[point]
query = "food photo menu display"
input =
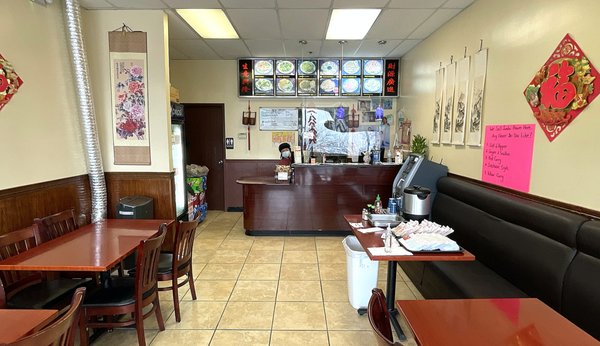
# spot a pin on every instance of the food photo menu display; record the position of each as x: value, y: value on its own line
x: 318, y: 77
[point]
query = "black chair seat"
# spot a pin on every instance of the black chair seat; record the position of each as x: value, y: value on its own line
x: 45, y: 294
x: 119, y: 293
x: 165, y: 264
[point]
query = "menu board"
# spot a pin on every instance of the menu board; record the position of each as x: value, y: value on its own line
x: 318, y: 77
x: 274, y: 119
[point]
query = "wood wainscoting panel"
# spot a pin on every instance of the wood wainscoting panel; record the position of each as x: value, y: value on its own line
x: 20, y: 205
x: 157, y: 185
x: 235, y: 169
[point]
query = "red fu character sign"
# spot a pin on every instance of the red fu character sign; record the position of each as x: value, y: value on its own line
x: 562, y: 88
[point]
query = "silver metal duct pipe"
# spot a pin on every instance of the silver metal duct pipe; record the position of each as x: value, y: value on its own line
x: 86, y: 110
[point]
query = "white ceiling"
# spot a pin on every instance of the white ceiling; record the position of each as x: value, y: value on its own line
x: 272, y: 28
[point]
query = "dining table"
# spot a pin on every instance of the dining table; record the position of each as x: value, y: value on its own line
x: 96, y: 247
x: 370, y: 240
x: 497, y: 321
x: 17, y: 323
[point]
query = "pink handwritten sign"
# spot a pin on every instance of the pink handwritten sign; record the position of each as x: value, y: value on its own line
x: 507, y: 155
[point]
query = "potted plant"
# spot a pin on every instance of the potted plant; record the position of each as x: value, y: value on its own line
x: 419, y: 145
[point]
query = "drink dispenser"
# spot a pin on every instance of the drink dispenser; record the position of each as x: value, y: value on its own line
x: 417, y: 204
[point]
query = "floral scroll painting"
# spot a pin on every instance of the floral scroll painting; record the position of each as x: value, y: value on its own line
x: 128, y: 74
x: 439, y: 105
x: 460, y: 104
x: 477, y: 91
x: 562, y: 88
x: 448, y: 104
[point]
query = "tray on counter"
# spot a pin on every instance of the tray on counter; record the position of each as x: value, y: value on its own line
x: 382, y: 220
x: 460, y: 249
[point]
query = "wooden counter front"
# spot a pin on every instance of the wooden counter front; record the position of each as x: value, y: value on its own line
x: 317, y: 199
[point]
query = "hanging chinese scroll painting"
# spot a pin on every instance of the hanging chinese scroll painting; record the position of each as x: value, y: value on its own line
x: 439, y: 105
x: 129, y: 72
x: 460, y: 104
x: 562, y: 88
x: 448, y: 103
x: 476, y: 97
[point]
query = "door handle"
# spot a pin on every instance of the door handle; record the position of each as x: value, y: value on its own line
x: 220, y: 162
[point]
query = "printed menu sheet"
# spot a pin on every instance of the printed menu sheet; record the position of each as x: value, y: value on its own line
x: 507, y: 155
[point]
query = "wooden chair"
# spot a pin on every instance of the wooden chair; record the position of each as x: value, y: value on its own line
x: 59, y: 332
x: 56, y: 225
x: 127, y: 295
x: 379, y: 317
x: 174, y: 265
x: 30, y: 290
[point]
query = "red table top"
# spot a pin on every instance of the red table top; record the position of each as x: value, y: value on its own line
x: 507, y: 321
x: 15, y: 324
x: 95, y: 247
x: 368, y: 240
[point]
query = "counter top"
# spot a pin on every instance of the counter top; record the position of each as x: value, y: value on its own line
x: 264, y: 180
x: 350, y: 164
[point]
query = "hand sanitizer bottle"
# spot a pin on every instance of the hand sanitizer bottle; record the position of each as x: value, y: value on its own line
x: 387, y: 241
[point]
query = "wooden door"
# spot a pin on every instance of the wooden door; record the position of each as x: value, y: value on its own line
x: 205, y: 143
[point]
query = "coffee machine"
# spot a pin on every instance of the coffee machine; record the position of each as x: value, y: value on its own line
x: 417, y: 170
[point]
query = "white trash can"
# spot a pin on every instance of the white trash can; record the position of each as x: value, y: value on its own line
x: 362, y: 273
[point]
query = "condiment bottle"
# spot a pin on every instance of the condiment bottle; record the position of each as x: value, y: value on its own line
x: 387, y: 240
x: 378, y: 205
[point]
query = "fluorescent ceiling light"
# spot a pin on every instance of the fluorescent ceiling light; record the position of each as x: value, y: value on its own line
x: 351, y: 24
x: 209, y: 23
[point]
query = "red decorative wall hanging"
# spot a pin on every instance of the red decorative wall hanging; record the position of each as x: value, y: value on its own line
x: 9, y: 82
x: 562, y: 88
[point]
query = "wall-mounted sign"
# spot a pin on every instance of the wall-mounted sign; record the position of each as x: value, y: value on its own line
x: 229, y: 143
x: 9, y: 82
x: 318, y: 77
x: 278, y: 119
x: 562, y: 88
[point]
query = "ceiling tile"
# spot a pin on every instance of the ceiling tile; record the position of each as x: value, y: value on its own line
x: 433, y: 23
x: 370, y: 48
x: 266, y: 48
x: 192, y: 3
x: 397, y: 24
x: 304, y: 3
x: 194, y: 49
x: 176, y: 54
x: 178, y: 29
x: 255, y: 24
x: 359, y: 3
x: 137, y: 4
x: 294, y: 48
x: 303, y: 24
x: 404, y: 48
x: 248, y: 3
x: 415, y: 3
x: 458, y: 3
x: 331, y: 48
x: 229, y: 49
x: 95, y: 4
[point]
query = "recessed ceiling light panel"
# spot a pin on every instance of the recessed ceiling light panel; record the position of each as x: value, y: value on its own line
x: 351, y: 24
x: 209, y: 23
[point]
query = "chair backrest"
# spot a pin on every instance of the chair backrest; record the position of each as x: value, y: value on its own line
x: 59, y: 332
x: 12, y: 244
x: 56, y: 225
x: 146, y: 263
x: 184, y: 242
x: 379, y: 317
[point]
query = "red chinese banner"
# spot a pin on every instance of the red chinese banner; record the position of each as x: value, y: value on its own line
x: 245, y: 70
x: 562, y: 88
x: 391, y: 77
x: 9, y: 82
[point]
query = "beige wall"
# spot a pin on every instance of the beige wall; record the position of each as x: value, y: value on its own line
x: 215, y: 81
x: 520, y: 37
x: 39, y: 127
x: 96, y: 25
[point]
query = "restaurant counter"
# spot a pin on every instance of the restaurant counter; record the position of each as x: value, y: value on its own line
x: 316, y: 199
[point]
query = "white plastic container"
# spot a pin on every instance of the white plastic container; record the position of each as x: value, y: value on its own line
x: 362, y: 273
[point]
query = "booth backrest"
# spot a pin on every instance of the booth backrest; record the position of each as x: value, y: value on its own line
x: 529, y: 244
x: 581, y: 295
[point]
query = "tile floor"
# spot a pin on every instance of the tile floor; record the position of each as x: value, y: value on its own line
x: 263, y: 291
